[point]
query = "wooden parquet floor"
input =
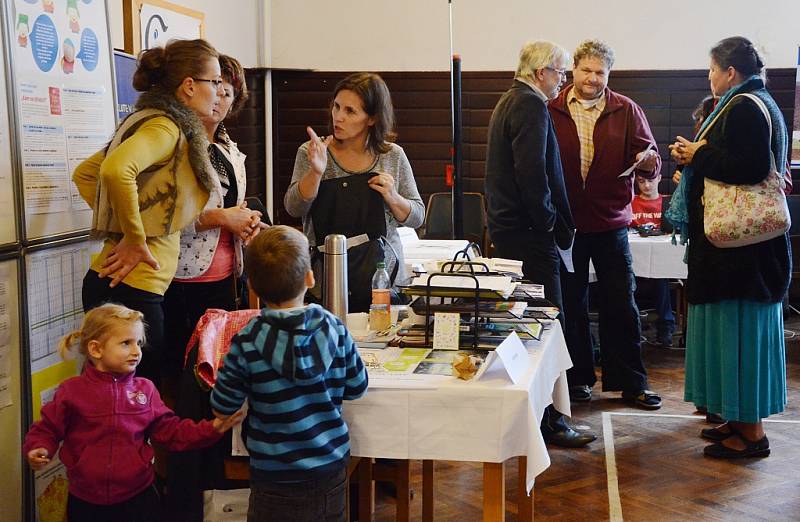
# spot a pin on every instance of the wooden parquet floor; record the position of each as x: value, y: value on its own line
x: 662, y: 474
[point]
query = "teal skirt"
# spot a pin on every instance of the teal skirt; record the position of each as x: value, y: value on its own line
x: 736, y: 359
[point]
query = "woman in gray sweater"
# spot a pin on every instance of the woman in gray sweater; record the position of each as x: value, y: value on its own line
x: 362, y: 123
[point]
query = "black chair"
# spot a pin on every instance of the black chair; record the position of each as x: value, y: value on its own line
x: 439, y: 218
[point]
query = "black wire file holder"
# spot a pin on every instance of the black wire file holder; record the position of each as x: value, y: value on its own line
x: 453, y: 273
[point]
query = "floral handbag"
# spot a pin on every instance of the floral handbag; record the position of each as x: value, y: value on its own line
x: 740, y: 215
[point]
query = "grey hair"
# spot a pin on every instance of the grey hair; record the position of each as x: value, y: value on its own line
x: 594, y: 49
x: 538, y: 55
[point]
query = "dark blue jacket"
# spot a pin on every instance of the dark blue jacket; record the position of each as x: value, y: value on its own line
x: 524, y: 181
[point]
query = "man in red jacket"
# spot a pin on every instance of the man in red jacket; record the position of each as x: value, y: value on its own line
x: 600, y: 135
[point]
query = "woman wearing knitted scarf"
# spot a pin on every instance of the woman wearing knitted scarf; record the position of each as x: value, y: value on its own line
x: 151, y: 181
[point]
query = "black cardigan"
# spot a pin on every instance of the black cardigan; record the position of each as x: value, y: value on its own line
x: 524, y: 180
x: 737, y: 152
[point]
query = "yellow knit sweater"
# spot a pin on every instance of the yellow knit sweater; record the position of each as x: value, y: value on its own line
x: 153, y: 143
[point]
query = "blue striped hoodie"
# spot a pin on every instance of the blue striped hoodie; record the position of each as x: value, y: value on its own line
x: 295, y: 366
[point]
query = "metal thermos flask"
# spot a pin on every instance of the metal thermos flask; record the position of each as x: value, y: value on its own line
x: 334, y: 286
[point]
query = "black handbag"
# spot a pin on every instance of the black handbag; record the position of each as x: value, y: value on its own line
x: 349, y: 207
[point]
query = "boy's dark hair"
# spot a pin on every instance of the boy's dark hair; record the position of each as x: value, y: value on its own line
x: 276, y: 262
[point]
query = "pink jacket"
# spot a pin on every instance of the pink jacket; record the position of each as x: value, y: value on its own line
x: 105, y: 421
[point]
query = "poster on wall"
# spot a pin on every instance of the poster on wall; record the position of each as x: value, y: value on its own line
x: 11, y: 407
x: 796, y: 127
x: 151, y: 23
x: 54, y: 309
x: 124, y: 67
x: 64, y: 95
x: 8, y: 216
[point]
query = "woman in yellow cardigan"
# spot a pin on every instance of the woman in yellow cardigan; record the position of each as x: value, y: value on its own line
x: 152, y: 180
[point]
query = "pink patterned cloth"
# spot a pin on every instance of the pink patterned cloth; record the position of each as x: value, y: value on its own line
x: 212, y: 336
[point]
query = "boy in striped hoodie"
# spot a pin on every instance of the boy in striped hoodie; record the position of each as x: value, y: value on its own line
x: 294, y: 363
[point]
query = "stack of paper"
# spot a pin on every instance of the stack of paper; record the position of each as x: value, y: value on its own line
x: 501, y: 285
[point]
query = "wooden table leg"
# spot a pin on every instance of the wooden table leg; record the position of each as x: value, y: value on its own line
x: 494, y: 492
x: 427, y: 491
x: 403, y: 485
x: 366, y: 490
x: 524, y: 502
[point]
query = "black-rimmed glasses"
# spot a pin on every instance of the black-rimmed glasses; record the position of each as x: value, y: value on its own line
x: 561, y: 72
x: 216, y: 83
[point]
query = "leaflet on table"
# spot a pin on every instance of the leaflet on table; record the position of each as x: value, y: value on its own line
x: 440, y: 362
x: 629, y: 171
x: 392, y: 361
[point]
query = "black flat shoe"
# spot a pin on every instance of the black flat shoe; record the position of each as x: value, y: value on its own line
x: 716, y: 434
x: 759, y: 448
x: 714, y: 418
x: 645, y: 399
x: 580, y: 393
x: 568, y: 438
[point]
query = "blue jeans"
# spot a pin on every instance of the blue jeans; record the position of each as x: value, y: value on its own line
x: 620, y: 329
x: 655, y: 293
x: 321, y: 499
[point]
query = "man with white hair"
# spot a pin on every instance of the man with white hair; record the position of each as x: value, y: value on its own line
x: 527, y: 202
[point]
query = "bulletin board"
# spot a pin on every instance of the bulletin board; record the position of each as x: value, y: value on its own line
x: 54, y: 308
x: 64, y: 105
x: 8, y: 215
x: 10, y: 393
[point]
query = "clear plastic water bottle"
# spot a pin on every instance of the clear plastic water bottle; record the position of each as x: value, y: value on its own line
x: 381, y: 286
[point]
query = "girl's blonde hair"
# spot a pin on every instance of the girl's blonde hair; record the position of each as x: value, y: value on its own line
x: 96, y: 326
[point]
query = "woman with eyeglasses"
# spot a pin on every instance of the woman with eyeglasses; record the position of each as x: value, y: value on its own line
x: 151, y: 181
x: 210, y: 258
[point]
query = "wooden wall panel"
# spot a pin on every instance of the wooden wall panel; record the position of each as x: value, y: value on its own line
x: 422, y: 106
x: 247, y: 129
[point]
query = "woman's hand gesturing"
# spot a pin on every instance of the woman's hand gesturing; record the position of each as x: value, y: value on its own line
x: 318, y: 151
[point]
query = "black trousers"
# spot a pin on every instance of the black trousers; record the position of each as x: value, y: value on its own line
x: 190, y: 472
x: 620, y: 327
x: 184, y: 304
x: 96, y: 292
x: 540, y: 264
x: 144, y: 507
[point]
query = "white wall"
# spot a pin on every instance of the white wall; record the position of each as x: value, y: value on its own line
x: 232, y: 26
x: 397, y: 35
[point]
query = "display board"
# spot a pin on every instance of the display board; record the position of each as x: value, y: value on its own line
x: 10, y: 393
x: 795, y: 150
x: 8, y: 215
x: 63, y: 90
x: 54, y: 308
x: 124, y: 67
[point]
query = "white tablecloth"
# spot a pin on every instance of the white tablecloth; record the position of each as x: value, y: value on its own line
x: 489, y: 420
x: 654, y: 257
